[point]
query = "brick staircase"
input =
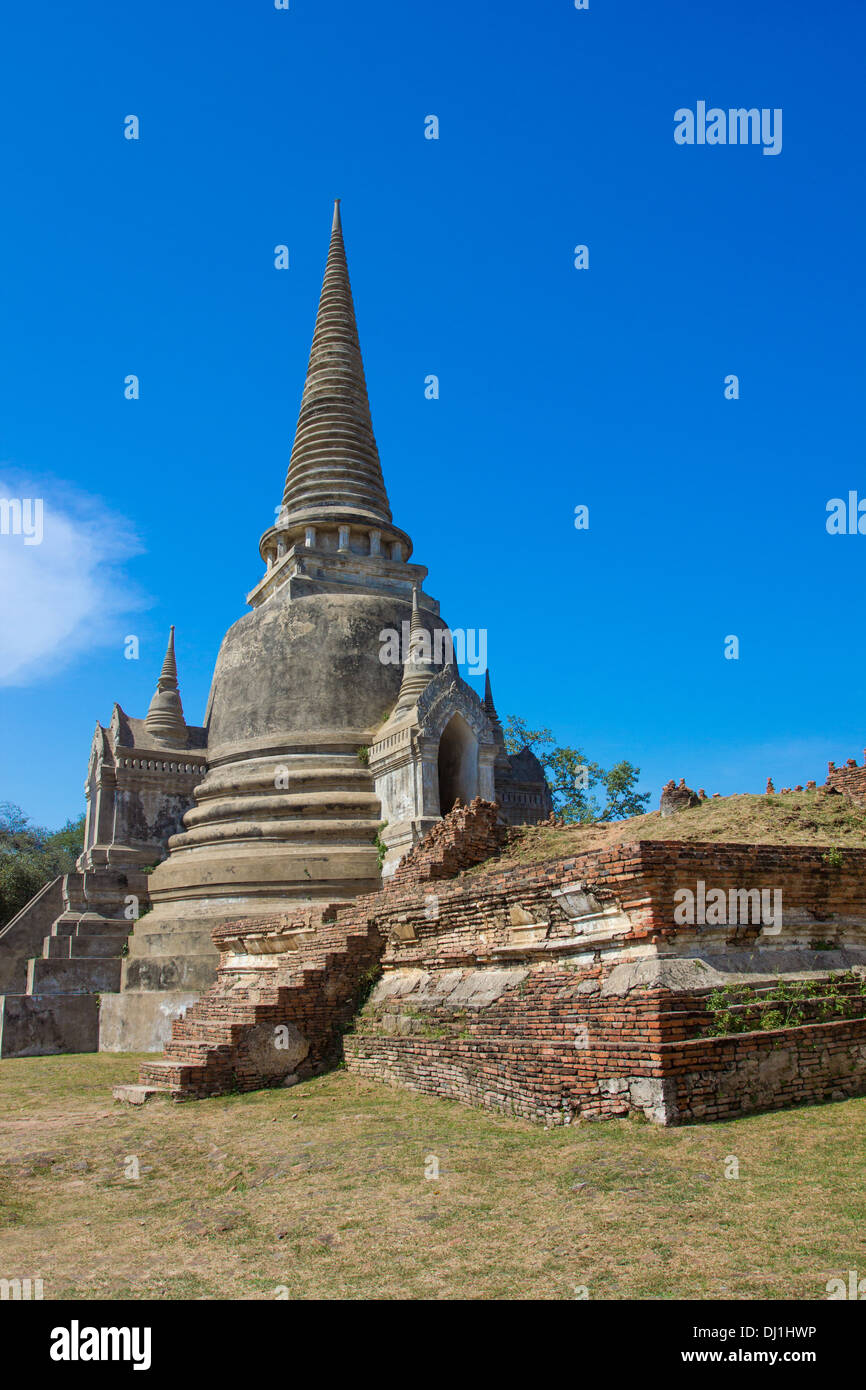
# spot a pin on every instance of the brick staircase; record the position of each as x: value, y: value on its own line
x: 226, y: 1041
x: 308, y: 975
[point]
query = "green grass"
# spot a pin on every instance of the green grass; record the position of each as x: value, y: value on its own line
x: 321, y: 1190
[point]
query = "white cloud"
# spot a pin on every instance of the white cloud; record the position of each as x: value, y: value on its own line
x: 65, y: 596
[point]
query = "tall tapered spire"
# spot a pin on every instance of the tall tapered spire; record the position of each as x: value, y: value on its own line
x: 168, y: 674
x: 334, y: 471
x: 164, y: 720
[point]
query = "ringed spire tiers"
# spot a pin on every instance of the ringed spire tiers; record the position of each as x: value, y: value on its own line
x: 334, y: 469
x: 164, y: 720
x: 335, y: 498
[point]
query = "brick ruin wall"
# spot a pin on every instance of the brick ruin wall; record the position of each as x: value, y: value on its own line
x: 499, y: 988
x: 555, y: 1031
x: 850, y: 779
x: 553, y: 1048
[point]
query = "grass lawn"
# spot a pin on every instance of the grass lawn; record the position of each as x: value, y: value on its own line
x: 321, y: 1189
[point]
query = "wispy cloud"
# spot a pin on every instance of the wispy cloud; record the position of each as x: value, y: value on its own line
x: 65, y: 595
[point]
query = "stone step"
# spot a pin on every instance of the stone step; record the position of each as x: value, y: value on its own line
x: 209, y: 1032
x: 159, y: 942
x: 169, y: 1074
x: 294, y: 812
x: 91, y: 925
x: 187, y: 1055
x: 221, y: 1027
x: 151, y: 973
x: 83, y: 947
x: 133, y: 1094
x: 84, y: 976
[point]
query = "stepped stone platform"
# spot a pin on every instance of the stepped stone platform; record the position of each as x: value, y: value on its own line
x: 55, y: 1007
x: 572, y: 989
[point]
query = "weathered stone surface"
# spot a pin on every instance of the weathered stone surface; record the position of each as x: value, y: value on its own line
x: 90, y: 975
x: 133, y: 1094
x: 659, y: 972
x: 141, y: 1021
x: 21, y: 939
x: 457, y: 989
x: 42, y: 1025
x: 275, y: 1051
x: 655, y: 1098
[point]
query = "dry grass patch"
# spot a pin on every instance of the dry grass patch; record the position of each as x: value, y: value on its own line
x: 321, y: 1189
x: 797, y: 818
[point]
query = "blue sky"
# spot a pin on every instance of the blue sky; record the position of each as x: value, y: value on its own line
x: 559, y: 387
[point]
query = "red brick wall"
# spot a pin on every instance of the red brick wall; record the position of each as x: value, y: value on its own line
x: 850, y: 779
x: 716, y: 1078
x: 635, y: 1054
x: 518, y: 1054
x: 466, y: 836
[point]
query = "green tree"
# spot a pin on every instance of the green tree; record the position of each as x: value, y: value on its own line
x: 574, y: 780
x: 31, y: 856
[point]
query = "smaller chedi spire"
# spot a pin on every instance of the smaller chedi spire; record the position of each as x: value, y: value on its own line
x: 164, y: 720
x: 419, y: 667
x: 168, y: 674
x: 490, y: 710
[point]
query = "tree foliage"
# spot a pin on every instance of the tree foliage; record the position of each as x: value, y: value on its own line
x: 31, y: 856
x: 574, y: 780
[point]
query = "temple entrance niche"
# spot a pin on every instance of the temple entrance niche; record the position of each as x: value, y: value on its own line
x: 458, y: 764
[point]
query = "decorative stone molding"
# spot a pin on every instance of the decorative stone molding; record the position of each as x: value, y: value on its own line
x: 525, y: 930
x: 589, y: 914
x: 267, y: 943
x: 446, y: 695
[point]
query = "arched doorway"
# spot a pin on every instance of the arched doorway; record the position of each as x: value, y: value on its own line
x: 458, y: 764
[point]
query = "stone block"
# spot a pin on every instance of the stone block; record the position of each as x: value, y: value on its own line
x: 140, y: 1021
x: 43, y: 1025
x: 73, y: 976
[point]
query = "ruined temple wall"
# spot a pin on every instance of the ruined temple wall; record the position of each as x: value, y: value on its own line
x: 569, y: 1025
x: 553, y: 991
x: 554, y: 1044
x: 851, y: 779
x: 635, y: 883
x: 430, y: 919
x: 720, y: 1077
x: 538, y: 1042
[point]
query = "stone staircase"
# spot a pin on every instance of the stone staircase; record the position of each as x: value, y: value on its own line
x: 245, y: 1033
x: 83, y: 953
x: 54, y: 1003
